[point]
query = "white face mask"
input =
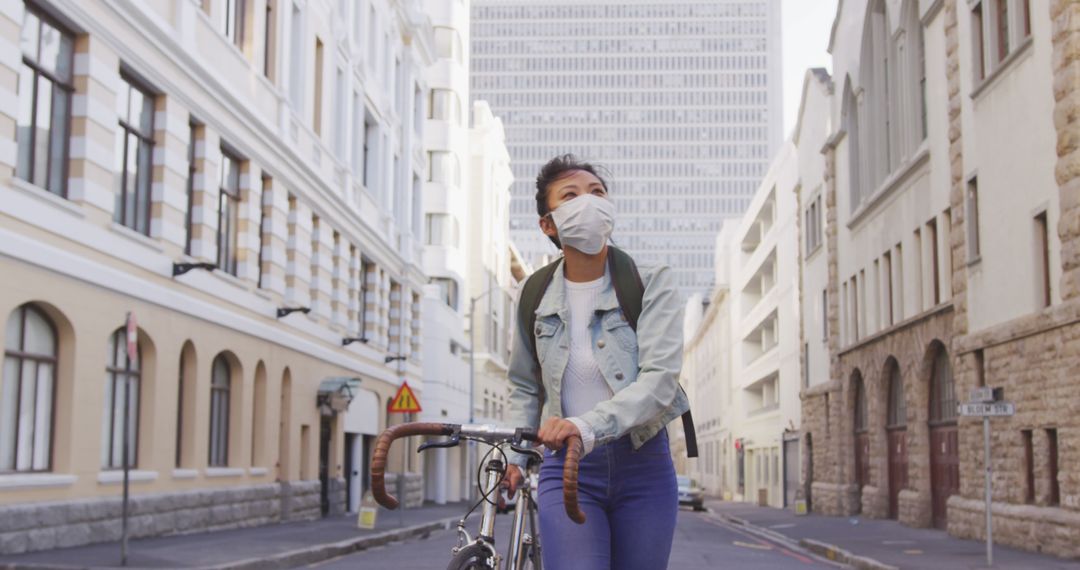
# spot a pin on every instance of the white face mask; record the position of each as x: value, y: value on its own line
x: 585, y: 223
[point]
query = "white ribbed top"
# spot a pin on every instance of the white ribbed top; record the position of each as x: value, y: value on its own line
x: 583, y: 384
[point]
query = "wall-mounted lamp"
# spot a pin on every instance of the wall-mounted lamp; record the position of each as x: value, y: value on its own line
x: 286, y: 311
x: 351, y: 339
x: 182, y: 268
x: 389, y: 359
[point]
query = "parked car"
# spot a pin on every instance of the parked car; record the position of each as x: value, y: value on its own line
x: 690, y: 493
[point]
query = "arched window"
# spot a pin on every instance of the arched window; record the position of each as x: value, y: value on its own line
x: 27, y: 391
x: 220, y: 388
x: 860, y: 404
x: 850, y: 117
x: 942, y: 389
x: 897, y: 406
x: 122, y: 391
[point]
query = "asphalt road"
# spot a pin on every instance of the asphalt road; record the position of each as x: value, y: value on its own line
x: 701, y: 541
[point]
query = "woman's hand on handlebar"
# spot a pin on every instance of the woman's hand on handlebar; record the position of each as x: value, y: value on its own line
x: 513, y: 479
x: 554, y: 432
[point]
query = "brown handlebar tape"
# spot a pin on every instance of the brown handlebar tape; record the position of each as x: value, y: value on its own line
x: 382, y: 447
x: 574, y: 449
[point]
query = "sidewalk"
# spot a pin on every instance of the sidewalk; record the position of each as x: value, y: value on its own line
x: 272, y: 546
x: 880, y: 544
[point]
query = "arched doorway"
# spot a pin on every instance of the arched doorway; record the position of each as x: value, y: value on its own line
x: 862, y: 437
x: 896, y: 432
x: 944, y: 453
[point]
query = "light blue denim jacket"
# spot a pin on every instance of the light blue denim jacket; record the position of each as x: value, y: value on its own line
x: 641, y: 369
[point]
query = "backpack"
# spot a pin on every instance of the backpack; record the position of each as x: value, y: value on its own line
x: 628, y: 289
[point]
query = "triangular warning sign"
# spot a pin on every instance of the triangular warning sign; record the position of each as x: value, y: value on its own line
x: 405, y: 401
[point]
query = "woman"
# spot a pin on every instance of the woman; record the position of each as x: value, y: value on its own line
x: 599, y: 380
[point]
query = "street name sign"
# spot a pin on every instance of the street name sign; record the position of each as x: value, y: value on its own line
x: 990, y: 409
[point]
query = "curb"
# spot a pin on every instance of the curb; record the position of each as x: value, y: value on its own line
x: 294, y: 558
x: 837, y: 554
x: 829, y: 552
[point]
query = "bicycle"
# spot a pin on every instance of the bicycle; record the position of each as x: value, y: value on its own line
x: 480, y: 553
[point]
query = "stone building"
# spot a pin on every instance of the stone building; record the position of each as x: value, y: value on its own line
x: 144, y: 142
x: 951, y: 184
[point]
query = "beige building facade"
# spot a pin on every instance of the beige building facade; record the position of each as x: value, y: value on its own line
x: 277, y: 141
x: 741, y: 361
x: 950, y: 183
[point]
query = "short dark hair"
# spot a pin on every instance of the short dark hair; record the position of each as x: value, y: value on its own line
x: 557, y: 169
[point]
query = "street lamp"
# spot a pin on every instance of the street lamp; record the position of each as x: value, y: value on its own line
x: 472, y: 371
x: 472, y: 352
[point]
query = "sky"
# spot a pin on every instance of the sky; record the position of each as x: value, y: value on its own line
x: 805, y: 25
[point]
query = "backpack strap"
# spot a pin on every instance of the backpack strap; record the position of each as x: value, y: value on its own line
x: 630, y: 291
x: 532, y: 292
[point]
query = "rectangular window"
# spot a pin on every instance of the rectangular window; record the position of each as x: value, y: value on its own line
x: 935, y: 262
x: 1002, y: 17
x: 445, y: 106
x: 977, y: 45
x: 296, y: 60
x: 980, y: 368
x: 443, y: 168
x: 887, y: 289
x: 806, y: 366
x: 898, y: 280
x: 270, y: 41
x: 265, y: 210
x: 316, y: 120
x: 341, y: 126
x: 861, y: 324
x: 824, y: 315
x: 1053, y: 496
x: 1025, y: 14
x: 367, y: 286
x: 1042, y: 260
x: 233, y: 23
x: 45, y: 87
x: 134, y: 155
x: 448, y: 289
x: 371, y: 143
x: 971, y: 203
x: 194, y: 134
x: 442, y: 229
x: 1029, y: 466
x: 228, y: 213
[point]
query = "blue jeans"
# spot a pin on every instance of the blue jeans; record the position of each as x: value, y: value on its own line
x: 630, y: 500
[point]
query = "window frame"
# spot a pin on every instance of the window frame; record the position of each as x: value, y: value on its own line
x: 146, y: 144
x: 115, y: 374
x: 227, y: 258
x: 38, y: 71
x: 220, y: 432
x: 22, y: 356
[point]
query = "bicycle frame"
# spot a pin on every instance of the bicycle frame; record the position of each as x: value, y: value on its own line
x: 495, y: 472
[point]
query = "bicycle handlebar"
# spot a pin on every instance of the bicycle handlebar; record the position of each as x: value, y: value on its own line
x: 487, y: 433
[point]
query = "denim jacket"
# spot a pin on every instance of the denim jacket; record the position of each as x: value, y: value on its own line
x: 641, y: 369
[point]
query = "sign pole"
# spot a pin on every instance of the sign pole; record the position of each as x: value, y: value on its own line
x: 132, y: 331
x: 989, y: 515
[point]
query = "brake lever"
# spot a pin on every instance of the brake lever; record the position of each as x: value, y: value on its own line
x: 452, y: 441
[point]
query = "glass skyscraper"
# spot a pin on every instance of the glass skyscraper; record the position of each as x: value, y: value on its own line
x: 680, y: 101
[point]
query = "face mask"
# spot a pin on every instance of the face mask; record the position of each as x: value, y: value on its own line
x: 585, y: 223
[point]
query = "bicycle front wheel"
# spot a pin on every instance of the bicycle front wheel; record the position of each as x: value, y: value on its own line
x: 473, y: 557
